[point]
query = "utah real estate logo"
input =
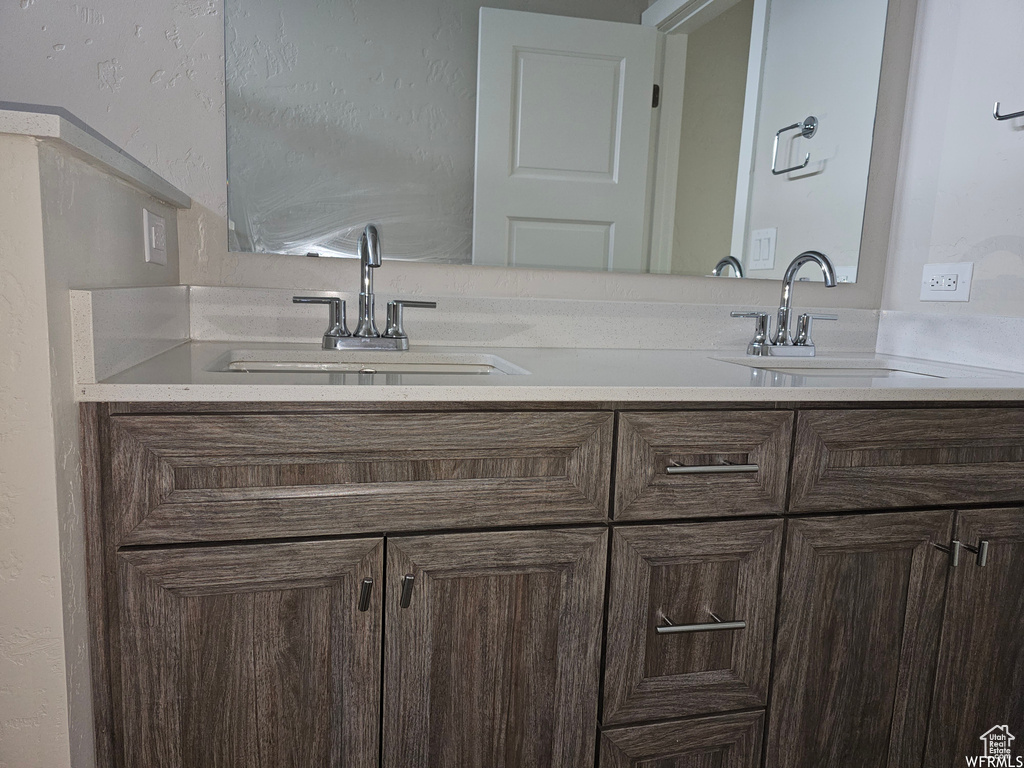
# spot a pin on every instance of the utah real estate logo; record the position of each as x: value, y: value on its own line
x: 998, y: 750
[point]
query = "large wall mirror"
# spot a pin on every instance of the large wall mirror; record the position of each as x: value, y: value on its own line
x: 529, y: 133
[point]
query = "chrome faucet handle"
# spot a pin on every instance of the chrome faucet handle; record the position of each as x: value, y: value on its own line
x: 803, y: 328
x: 394, y: 327
x: 760, y: 326
x: 336, y: 328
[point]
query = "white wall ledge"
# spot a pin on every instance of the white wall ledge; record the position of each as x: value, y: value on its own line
x: 56, y: 124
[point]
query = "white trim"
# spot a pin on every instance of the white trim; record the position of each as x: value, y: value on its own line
x: 748, y: 133
x: 683, y: 16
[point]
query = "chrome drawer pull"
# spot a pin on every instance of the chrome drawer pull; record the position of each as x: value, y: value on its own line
x: 717, y: 625
x: 712, y: 469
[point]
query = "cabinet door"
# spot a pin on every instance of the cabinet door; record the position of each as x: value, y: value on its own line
x: 724, y: 741
x: 980, y: 681
x: 254, y: 655
x: 688, y: 575
x: 492, y: 656
x: 859, y: 621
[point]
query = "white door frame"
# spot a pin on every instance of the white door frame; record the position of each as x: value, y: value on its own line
x: 678, y: 18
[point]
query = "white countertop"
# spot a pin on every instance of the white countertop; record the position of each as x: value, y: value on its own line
x: 189, y: 372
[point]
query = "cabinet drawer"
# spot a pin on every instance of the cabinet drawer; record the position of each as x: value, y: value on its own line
x: 696, y: 576
x: 886, y: 459
x: 724, y: 741
x: 702, y: 444
x: 179, y: 478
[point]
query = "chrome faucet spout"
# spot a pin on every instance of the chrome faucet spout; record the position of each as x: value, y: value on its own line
x: 369, y: 259
x: 784, y: 327
x: 728, y: 261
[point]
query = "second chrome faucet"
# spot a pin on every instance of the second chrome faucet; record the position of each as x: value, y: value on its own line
x: 788, y: 341
x: 366, y: 336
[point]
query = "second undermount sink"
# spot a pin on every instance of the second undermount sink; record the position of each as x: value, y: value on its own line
x: 834, y: 367
x: 356, y: 361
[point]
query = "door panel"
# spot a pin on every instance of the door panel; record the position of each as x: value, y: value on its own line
x: 495, y: 659
x: 563, y: 132
x: 859, y: 620
x: 254, y: 655
x: 980, y: 680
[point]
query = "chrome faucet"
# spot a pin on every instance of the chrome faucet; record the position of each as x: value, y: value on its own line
x: 366, y: 336
x: 785, y: 342
x: 369, y: 259
x: 728, y: 261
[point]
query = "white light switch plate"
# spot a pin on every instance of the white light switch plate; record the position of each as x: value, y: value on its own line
x: 155, y: 230
x: 947, y: 282
x: 762, y: 248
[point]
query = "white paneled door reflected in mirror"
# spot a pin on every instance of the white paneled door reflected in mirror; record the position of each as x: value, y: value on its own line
x: 510, y: 137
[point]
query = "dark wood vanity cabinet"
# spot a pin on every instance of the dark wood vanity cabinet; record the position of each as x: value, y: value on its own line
x: 256, y: 655
x: 980, y: 680
x: 860, y: 615
x: 310, y: 585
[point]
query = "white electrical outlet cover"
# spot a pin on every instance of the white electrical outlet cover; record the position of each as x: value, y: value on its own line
x: 942, y: 275
x: 762, y: 248
x: 154, y: 230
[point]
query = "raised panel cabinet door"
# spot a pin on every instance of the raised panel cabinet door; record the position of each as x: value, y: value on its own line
x: 253, y: 656
x: 886, y: 459
x: 979, y: 687
x: 858, y: 631
x: 722, y: 741
x: 702, y: 464
x: 492, y: 649
x: 704, y: 577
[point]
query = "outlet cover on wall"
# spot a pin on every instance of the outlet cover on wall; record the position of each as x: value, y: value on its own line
x: 155, y: 229
x: 947, y: 282
x: 762, y: 248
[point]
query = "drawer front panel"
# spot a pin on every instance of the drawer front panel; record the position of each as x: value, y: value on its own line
x: 886, y: 459
x: 732, y: 462
x: 715, y: 580
x: 723, y: 741
x: 179, y: 478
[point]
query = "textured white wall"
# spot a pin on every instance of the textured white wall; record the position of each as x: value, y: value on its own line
x: 50, y: 203
x: 959, y: 196
x: 33, y: 707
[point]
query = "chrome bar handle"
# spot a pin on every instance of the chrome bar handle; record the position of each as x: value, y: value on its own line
x: 761, y: 324
x: 803, y: 328
x: 953, y: 550
x: 808, y: 127
x: 997, y: 116
x: 364, y: 594
x: 711, y: 469
x: 717, y: 625
x: 336, y: 319
x: 407, y: 582
x: 395, y: 330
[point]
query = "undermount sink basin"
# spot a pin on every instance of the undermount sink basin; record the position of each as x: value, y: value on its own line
x: 329, y: 361
x: 833, y: 367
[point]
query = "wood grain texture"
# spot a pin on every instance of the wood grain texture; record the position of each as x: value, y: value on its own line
x: 92, y: 416
x: 649, y: 442
x: 182, y: 478
x: 251, y: 655
x: 686, y: 572
x: 496, y: 660
x: 885, y: 459
x: 980, y: 678
x: 859, y: 624
x: 723, y: 741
